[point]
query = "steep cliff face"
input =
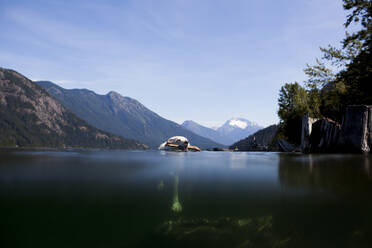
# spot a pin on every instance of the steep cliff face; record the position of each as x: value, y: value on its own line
x: 325, y: 135
x: 356, y: 128
x: 307, y: 124
x: 29, y: 116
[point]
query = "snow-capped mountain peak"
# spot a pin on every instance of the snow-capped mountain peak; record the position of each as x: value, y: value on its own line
x: 214, y: 128
x: 238, y: 123
x: 231, y: 131
x: 238, y: 128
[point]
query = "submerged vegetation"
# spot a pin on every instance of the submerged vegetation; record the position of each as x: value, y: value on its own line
x: 340, y: 78
x: 222, y: 232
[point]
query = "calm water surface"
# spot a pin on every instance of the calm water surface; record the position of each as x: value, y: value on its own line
x: 208, y: 199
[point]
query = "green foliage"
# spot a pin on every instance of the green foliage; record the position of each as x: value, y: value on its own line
x: 358, y: 73
x: 318, y: 75
x: 328, y: 93
x: 362, y: 14
x: 293, y: 101
x: 342, y: 57
x: 293, y: 104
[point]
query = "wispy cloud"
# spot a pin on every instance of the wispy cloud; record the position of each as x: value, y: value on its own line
x: 227, y: 57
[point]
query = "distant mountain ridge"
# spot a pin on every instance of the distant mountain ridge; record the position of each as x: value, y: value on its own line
x: 207, y: 132
x: 262, y: 140
x: 231, y: 131
x: 30, y: 116
x: 238, y: 128
x: 123, y: 116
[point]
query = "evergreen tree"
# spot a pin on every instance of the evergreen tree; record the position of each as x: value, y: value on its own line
x: 293, y: 104
x: 325, y: 93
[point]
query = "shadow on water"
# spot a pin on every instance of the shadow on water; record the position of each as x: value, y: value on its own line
x: 333, y: 198
x: 324, y: 201
x: 165, y: 199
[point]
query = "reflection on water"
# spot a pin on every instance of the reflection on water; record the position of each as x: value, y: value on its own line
x: 342, y: 173
x: 167, y: 199
x: 175, y: 171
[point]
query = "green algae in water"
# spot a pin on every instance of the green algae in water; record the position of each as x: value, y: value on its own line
x: 223, y: 232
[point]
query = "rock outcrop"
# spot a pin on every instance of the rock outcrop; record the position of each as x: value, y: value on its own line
x: 325, y: 135
x: 357, y: 129
x: 307, y: 123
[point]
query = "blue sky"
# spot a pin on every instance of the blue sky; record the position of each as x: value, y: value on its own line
x: 225, y: 58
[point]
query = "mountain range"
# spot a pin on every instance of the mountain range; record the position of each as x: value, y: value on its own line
x: 122, y: 116
x: 30, y: 116
x: 207, y: 132
x: 44, y: 114
x: 231, y: 131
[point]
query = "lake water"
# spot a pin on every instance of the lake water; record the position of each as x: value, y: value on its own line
x: 165, y: 199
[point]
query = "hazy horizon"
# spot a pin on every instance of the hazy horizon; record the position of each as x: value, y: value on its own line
x: 226, y: 59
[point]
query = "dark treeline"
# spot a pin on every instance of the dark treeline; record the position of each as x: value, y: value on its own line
x: 325, y: 94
